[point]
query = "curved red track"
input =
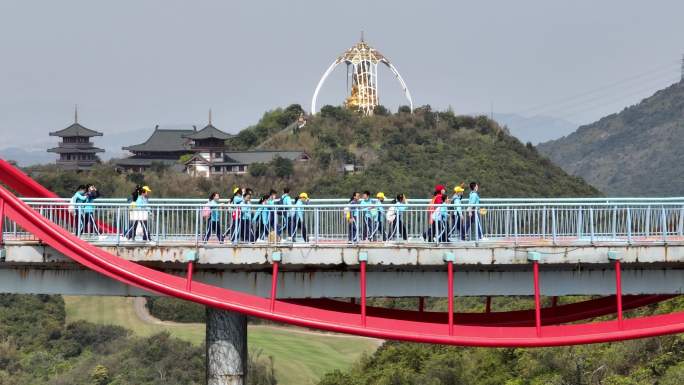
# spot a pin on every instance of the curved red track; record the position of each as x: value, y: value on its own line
x: 511, y: 329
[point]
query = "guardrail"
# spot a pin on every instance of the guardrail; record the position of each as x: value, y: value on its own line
x: 554, y: 221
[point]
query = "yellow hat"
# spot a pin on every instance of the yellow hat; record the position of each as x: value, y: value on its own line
x: 146, y: 189
x: 458, y: 189
x: 235, y: 190
x: 303, y: 196
x: 380, y: 195
x: 483, y: 211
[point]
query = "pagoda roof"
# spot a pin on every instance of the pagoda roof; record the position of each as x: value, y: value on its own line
x: 208, y: 132
x: 164, y: 140
x: 75, y: 150
x: 76, y: 130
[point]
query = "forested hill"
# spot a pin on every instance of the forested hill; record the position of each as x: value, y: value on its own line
x: 635, y: 152
x: 391, y: 152
x: 410, y: 153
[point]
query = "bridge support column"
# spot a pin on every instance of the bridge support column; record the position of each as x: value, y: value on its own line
x: 226, y: 339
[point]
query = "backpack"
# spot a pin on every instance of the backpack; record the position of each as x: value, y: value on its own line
x: 206, y: 211
x: 72, y: 208
x: 391, y: 214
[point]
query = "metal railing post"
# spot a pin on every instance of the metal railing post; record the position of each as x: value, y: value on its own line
x: 629, y: 225
x: 554, y: 230
x: 118, y: 225
x: 614, y: 222
x: 515, y: 225
x: 197, y: 218
x: 156, y: 224
x: 579, y: 223
x: 681, y: 221
x: 591, y: 223
x: 647, y: 229
x: 316, y: 225
x: 663, y: 226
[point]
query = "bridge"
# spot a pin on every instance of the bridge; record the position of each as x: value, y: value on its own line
x: 624, y: 253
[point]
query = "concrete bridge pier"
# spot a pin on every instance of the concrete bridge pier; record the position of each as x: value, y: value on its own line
x: 226, y: 340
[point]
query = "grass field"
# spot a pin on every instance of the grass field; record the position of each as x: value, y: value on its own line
x: 300, y: 356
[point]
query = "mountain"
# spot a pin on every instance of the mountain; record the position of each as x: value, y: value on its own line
x: 27, y: 156
x: 535, y: 129
x: 637, y: 151
x: 411, y: 153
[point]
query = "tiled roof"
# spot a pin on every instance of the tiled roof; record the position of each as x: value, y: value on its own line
x: 208, y: 132
x: 76, y: 130
x: 164, y: 141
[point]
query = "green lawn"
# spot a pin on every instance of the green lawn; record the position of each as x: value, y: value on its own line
x: 300, y: 357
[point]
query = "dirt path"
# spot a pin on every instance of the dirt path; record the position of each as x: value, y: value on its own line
x: 143, y: 313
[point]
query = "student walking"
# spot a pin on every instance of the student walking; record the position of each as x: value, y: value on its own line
x: 351, y: 214
x: 456, y: 230
x: 246, y: 231
x: 261, y: 219
x: 474, y: 219
x: 212, y: 214
x: 395, y: 219
x: 76, y: 208
x: 139, y: 214
x: 299, y: 218
x: 286, y: 213
x: 89, y: 225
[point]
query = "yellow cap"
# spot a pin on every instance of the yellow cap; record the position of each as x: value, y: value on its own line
x: 304, y: 196
x: 458, y: 189
x: 147, y: 189
x: 235, y: 190
x: 380, y: 195
x: 483, y: 211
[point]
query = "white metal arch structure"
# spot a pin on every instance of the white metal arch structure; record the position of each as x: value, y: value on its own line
x: 364, y: 61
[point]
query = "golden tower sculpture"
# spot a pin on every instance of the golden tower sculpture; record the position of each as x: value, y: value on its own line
x: 362, y: 66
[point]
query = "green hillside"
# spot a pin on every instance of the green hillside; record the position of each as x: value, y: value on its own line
x: 635, y: 152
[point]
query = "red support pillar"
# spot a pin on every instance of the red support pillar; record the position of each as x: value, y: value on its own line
x: 363, y: 293
x: 450, y: 272
x: 274, y: 286
x: 488, y: 305
x: 188, y: 280
x: 554, y: 301
x: 537, y: 298
x: 618, y: 291
x: 421, y: 304
x: 2, y: 222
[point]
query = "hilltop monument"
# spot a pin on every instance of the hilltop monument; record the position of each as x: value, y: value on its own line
x: 362, y: 66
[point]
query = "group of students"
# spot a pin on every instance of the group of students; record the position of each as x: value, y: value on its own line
x: 273, y: 216
x: 81, y: 207
x: 371, y: 219
x: 368, y: 218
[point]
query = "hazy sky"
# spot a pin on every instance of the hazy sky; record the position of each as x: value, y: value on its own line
x: 133, y: 64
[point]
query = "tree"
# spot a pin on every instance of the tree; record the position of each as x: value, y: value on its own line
x: 283, y: 167
x: 100, y: 375
x: 258, y: 169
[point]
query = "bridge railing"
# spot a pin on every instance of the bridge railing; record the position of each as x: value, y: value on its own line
x: 559, y: 221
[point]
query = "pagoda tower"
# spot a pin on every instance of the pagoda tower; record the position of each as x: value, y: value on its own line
x: 76, y: 151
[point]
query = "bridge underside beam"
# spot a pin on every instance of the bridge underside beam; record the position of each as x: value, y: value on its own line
x: 71, y: 280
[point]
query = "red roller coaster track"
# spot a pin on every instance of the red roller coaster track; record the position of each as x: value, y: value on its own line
x: 536, y: 327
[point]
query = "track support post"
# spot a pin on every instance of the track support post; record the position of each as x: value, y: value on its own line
x: 191, y: 257
x: 276, y: 257
x: 616, y: 257
x: 363, y: 260
x: 449, y: 258
x: 535, y: 257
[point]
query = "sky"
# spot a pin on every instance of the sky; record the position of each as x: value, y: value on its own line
x: 131, y: 64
